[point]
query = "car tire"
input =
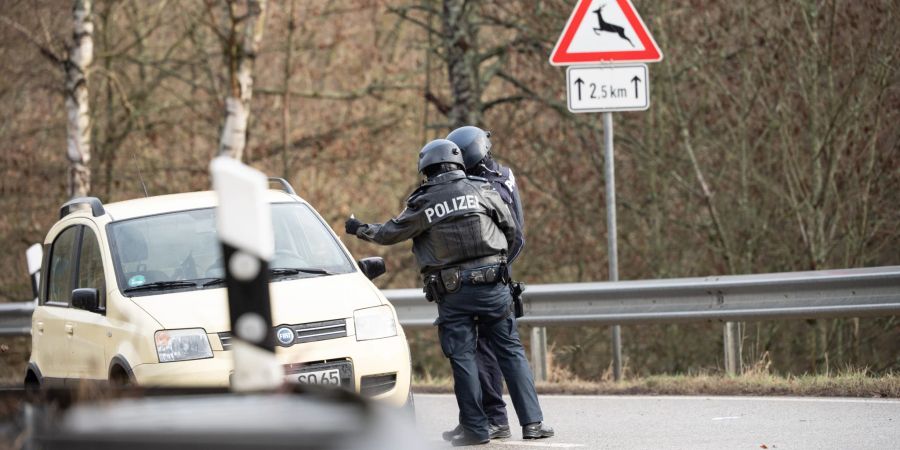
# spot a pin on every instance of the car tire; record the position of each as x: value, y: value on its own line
x: 32, y: 383
x: 119, y: 378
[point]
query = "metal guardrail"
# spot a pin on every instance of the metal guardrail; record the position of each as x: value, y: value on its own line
x: 793, y: 295
x: 863, y: 292
x: 15, y: 318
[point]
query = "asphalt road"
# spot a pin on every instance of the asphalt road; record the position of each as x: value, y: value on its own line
x: 598, y: 422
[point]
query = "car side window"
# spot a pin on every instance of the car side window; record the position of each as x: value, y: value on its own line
x: 90, y: 265
x: 62, y: 266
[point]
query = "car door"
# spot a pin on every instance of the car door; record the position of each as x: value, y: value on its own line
x: 90, y: 329
x: 51, y: 334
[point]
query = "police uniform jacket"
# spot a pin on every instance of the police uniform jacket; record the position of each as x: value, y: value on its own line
x: 451, y: 219
x: 504, y: 182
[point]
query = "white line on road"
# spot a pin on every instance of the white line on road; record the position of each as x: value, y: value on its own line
x: 726, y: 418
x: 538, y: 444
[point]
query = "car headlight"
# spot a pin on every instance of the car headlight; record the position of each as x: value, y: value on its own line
x: 374, y: 323
x: 182, y: 345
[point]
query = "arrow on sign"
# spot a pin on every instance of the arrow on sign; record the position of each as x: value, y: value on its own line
x: 579, y: 82
x: 635, y: 80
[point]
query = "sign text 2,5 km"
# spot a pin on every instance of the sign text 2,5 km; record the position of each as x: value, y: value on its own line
x: 608, y: 88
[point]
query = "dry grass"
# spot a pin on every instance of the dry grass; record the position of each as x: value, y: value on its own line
x: 756, y: 380
x: 14, y: 353
x: 856, y: 384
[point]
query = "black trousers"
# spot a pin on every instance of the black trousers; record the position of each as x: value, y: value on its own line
x: 457, y: 330
x: 491, y: 380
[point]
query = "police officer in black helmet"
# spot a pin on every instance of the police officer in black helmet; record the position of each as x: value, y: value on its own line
x: 461, y: 231
x: 475, y: 144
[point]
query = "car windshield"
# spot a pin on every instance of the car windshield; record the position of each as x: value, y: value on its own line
x: 180, y: 250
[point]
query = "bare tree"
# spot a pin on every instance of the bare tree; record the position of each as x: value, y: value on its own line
x: 240, y: 48
x: 76, y: 62
x: 80, y: 57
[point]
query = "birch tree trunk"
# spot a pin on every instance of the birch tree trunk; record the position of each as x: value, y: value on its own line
x: 77, y: 65
x: 241, y: 57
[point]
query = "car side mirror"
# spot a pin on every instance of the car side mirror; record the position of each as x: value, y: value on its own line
x: 372, y: 267
x: 87, y: 299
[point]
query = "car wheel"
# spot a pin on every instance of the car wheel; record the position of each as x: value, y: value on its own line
x: 32, y: 384
x: 119, y: 378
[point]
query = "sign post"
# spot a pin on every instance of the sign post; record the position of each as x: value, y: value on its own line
x: 244, y: 224
x: 610, y: 36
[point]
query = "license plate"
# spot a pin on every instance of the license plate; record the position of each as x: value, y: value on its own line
x: 330, y: 377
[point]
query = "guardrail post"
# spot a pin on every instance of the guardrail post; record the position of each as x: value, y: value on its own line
x: 732, y: 348
x: 539, y: 363
x: 617, y: 352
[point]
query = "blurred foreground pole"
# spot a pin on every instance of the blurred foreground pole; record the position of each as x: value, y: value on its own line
x: 244, y: 223
x: 610, y: 169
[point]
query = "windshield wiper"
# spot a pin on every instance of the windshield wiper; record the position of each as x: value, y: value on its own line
x: 287, y: 271
x: 213, y: 282
x: 162, y: 285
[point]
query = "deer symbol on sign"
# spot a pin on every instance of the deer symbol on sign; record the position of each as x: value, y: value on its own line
x: 608, y: 27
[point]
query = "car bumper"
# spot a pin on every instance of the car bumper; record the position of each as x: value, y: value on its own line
x: 385, y: 357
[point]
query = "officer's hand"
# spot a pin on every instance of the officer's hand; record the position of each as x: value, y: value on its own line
x: 351, y: 225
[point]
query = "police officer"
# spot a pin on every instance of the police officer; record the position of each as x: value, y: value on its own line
x: 475, y: 144
x: 461, y: 231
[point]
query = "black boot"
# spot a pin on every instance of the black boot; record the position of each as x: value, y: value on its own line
x: 448, y: 435
x: 465, y: 438
x: 499, y: 431
x: 536, y: 430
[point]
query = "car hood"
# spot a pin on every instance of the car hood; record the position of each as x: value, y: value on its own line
x: 293, y: 301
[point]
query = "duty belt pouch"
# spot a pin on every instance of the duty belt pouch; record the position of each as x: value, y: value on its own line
x: 451, y: 280
x: 492, y: 274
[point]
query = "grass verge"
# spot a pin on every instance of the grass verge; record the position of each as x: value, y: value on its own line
x: 849, y: 384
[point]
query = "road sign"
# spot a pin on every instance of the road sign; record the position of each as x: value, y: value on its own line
x: 608, y: 88
x: 604, y: 31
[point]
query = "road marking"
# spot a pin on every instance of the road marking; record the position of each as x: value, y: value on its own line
x: 725, y: 398
x: 726, y: 418
x: 538, y: 444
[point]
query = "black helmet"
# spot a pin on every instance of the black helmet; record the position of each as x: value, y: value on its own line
x: 440, y: 151
x: 474, y: 142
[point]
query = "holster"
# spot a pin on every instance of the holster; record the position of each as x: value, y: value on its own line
x: 433, y: 288
x: 516, y: 288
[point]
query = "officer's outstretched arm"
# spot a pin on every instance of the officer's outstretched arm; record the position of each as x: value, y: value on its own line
x: 409, y: 224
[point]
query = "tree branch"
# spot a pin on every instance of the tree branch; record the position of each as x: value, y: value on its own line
x: 43, y: 47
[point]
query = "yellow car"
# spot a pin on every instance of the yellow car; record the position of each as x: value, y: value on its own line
x: 133, y: 293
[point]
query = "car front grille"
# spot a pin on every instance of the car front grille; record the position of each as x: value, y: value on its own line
x: 372, y: 385
x: 304, y: 332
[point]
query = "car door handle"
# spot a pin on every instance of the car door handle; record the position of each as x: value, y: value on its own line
x: 70, y: 329
x: 40, y: 327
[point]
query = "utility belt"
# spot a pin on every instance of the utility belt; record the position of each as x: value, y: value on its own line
x: 487, y: 270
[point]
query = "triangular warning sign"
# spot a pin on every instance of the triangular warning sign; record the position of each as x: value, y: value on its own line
x: 604, y: 31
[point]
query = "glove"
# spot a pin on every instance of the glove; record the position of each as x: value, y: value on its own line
x: 351, y: 225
